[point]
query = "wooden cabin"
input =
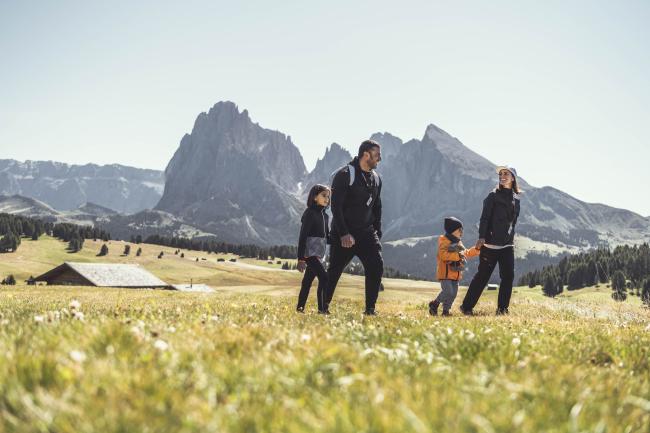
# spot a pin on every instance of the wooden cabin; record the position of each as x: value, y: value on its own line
x: 102, y: 275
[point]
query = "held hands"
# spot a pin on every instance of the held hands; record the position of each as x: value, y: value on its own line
x: 480, y: 243
x: 347, y: 241
x: 302, y: 265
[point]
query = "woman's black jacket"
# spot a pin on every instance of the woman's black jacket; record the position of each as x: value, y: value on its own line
x: 499, y: 217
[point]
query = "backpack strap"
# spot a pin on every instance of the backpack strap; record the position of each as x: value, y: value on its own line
x: 375, y: 175
x: 352, y: 172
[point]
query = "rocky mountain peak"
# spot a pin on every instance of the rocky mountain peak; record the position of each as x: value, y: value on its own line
x: 451, y: 148
x: 390, y: 145
x: 235, y: 178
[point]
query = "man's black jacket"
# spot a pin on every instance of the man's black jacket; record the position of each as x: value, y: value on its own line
x: 356, y: 207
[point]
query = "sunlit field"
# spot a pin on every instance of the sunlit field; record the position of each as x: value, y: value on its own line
x: 80, y: 359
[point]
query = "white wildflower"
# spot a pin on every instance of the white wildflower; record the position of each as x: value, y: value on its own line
x: 39, y: 319
x: 516, y: 341
x: 77, y: 356
x: 78, y: 315
x: 74, y: 305
x: 161, y: 345
x: 305, y: 337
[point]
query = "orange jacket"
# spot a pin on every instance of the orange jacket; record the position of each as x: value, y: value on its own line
x: 446, y: 257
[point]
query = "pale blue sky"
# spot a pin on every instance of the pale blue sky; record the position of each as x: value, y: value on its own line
x: 559, y: 89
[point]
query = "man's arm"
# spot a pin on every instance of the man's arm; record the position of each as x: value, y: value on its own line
x: 376, y: 210
x: 340, y: 186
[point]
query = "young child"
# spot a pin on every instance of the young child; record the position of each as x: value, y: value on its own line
x: 452, y: 257
x: 312, y: 245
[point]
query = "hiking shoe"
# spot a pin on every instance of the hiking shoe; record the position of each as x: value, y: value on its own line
x: 433, y: 307
x: 502, y: 311
x: 300, y: 309
x: 370, y: 312
x: 466, y: 312
x: 325, y: 312
x: 446, y: 313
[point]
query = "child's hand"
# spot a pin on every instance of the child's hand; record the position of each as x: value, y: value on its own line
x: 455, y: 248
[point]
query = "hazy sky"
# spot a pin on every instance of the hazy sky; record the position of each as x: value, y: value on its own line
x: 559, y: 89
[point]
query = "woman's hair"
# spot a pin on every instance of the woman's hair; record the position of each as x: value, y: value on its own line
x: 314, y: 191
x: 515, y: 186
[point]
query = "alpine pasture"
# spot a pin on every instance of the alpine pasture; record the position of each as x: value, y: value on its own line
x: 86, y: 359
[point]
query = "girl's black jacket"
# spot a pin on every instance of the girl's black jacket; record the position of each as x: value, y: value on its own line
x: 499, y: 217
x: 314, y: 232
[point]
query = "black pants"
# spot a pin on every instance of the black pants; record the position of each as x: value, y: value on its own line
x: 314, y: 269
x: 368, y: 249
x: 487, y: 262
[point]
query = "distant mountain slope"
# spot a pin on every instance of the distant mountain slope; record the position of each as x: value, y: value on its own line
x: 65, y: 187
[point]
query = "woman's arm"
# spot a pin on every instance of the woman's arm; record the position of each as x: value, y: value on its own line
x: 486, y: 217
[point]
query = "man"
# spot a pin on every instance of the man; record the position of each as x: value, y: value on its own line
x: 356, y: 225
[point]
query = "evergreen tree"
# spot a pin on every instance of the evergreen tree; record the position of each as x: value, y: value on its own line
x: 550, y: 286
x: 73, y: 245
x: 645, y: 292
x: 9, y: 281
x: 139, y: 252
x: 618, y: 281
x: 619, y: 295
x: 103, y: 251
x: 127, y: 249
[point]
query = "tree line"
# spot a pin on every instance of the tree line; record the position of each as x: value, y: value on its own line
x: 15, y: 227
x: 626, y: 268
x: 214, y: 246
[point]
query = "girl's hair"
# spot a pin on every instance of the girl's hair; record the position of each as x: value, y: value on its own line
x: 314, y: 191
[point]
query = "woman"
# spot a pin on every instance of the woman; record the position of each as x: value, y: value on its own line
x: 496, y: 241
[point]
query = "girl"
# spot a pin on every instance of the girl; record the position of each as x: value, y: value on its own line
x: 496, y: 241
x: 312, y: 244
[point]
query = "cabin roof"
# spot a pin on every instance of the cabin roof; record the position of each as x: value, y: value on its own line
x: 108, y: 274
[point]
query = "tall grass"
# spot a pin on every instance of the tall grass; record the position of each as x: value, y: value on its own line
x: 156, y: 361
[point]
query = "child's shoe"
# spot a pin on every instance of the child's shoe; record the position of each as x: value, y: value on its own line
x: 433, y: 307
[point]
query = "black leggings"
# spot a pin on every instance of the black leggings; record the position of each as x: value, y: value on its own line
x: 314, y: 269
x: 487, y: 262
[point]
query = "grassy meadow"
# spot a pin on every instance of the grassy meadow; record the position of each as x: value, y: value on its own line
x: 80, y: 359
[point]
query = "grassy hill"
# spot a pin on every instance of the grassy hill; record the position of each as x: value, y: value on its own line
x: 83, y: 359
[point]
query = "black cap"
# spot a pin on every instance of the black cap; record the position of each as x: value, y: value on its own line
x: 452, y: 224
